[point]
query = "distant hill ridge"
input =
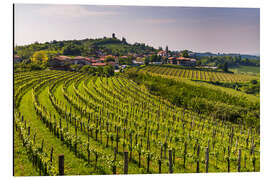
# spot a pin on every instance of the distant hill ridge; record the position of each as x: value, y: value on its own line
x: 107, y: 45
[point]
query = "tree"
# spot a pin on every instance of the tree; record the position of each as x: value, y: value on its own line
x: 109, y: 59
x: 225, y: 67
x: 113, y: 36
x: 40, y: 56
x: 88, y: 69
x: 71, y: 49
x: 220, y: 66
x: 124, y: 40
x: 24, y: 53
x: 185, y: 53
x: 146, y: 60
x: 167, y: 49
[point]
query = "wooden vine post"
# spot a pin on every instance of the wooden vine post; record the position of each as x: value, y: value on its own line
x: 117, y: 139
x: 253, y: 162
x: 198, y: 159
x: 228, y: 159
x: 130, y: 138
x: 29, y: 131
x: 159, y: 166
x: 148, y: 163
x: 239, y: 161
x: 51, y: 158
x: 61, y: 164
x: 140, y: 158
x: 206, y: 160
x: 170, y: 161
x: 125, y: 162
x: 114, y: 160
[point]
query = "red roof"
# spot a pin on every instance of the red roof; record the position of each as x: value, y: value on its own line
x: 62, y: 58
x: 185, y: 59
x: 109, y: 56
x: 79, y: 58
x: 91, y: 58
x: 160, y: 52
x: 171, y: 58
x: 98, y: 64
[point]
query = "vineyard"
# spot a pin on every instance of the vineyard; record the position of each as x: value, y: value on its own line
x: 193, y: 74
x: 70, y: 123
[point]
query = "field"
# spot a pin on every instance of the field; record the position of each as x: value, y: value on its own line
x: 194, y: 74
x: 110, y: 125
x: 246, y: 69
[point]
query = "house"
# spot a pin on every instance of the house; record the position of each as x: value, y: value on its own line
x: 80, y: 60
x: 89, y: 60
x: 183, y: 61
x: 102, y: 59
x: 172, y: 60
x: 162, y: 53
x: 60, y: 61
x: 17, y: 59
x: 96, y: 61
x: 99, y: 64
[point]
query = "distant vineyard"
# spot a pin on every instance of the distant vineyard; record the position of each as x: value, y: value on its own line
x: 102, y: 125
x: 198, y: 74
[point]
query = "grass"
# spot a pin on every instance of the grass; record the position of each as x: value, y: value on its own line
x: 73, y: 164
x: 22, y: 165
x: 246, y: 69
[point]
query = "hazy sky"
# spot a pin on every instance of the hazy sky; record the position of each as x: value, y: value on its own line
x: 228, y: 30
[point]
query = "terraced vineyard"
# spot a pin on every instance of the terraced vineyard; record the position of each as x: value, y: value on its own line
x: 176, y: 73
x: 102, y: 125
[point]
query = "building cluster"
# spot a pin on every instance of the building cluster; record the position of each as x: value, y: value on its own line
x: 165, y: 57
x: 62, y: 62
x: 183, y: 61
x: 177, y: 60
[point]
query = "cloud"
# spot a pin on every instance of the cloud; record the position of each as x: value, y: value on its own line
x: 72, y: 11
x: 158, y: 21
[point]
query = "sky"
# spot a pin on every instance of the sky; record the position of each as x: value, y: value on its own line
x: 217, y: 30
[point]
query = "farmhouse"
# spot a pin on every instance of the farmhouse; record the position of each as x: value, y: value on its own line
x: 60, y: 61
x: 186, y: 61
x: 98, y: 64
x: 183, y: 61
x: 172, y: 60
x: 80, y: 60
x: 162, y: 53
